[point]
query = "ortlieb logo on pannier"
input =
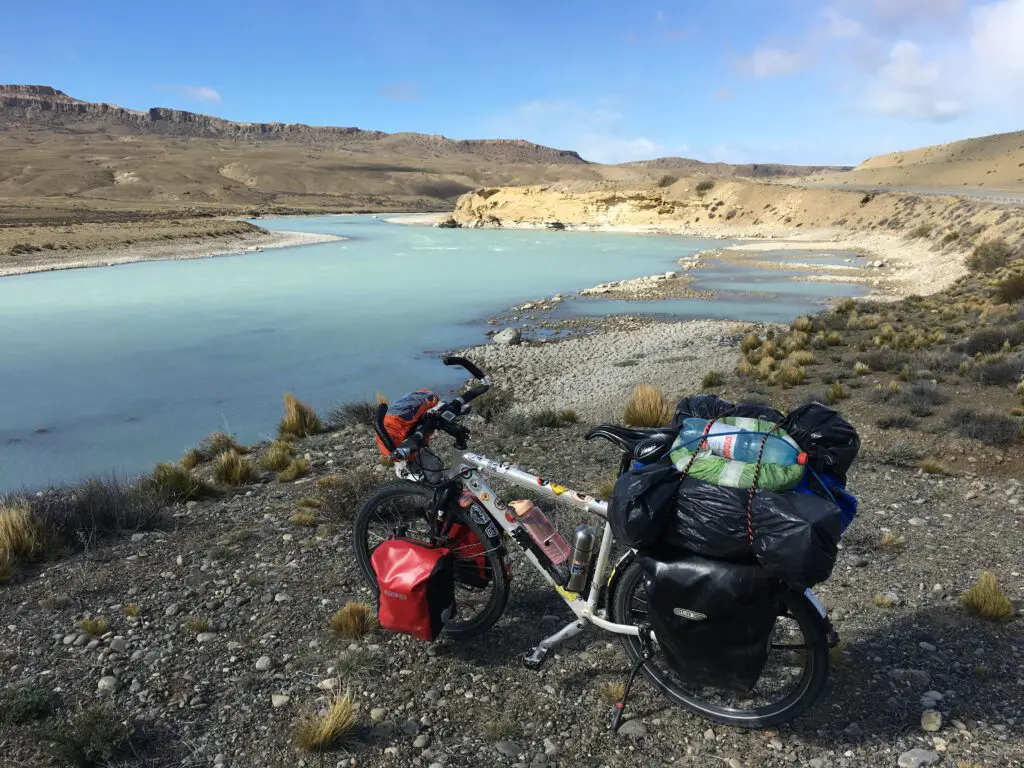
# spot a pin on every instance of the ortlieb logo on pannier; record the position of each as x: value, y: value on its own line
x: 417, y: 587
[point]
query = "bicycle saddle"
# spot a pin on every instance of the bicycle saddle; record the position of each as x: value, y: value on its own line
x: 641, y: 444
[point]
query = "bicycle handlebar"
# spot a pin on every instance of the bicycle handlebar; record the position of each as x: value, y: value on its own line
x: 441, y: 417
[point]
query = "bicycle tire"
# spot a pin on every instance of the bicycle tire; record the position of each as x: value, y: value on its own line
x: 811, y: 685
x: 499, y: 580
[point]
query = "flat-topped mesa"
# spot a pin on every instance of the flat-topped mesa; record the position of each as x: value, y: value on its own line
x: 40, y: 106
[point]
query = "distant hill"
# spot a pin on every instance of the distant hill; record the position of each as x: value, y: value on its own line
x: 993, y: 162
x: 688, y: 167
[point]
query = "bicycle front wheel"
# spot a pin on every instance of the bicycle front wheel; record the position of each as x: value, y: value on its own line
x: 481, y: 593
x: 793, y: 677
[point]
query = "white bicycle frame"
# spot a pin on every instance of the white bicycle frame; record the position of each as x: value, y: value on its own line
x: 470, y: 467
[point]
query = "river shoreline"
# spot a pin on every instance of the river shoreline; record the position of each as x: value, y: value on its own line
x: 180, y: 250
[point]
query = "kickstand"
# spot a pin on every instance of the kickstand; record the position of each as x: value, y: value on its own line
x: 620, y: 706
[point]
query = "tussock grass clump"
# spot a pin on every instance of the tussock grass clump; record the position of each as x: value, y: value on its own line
x: 791, y: 375
x: 229, y: 468
x: 613, y: 692
x: 299, y: 419
x: 303, y: 517
x: 500, y: 728
x: 321, y: 731
x: 712, y: 379
x: 892, y: 541
x: 197, y: 624
x: 898, y: 421
x: 354, y: 620
x: 745, y: 368
x: 133, y: 610
x: 25, y: 703
x: 882, y: 360
x: 921, y: 230
x: 835, y: 393
x: 861, y: 369
x: 833, y: 338
x: 494, y: 403
x: 278, y: 456
x: 991, y: 255
x: 985, y: 600
x: 517, y: 423
x: 547, y: 417
x: 605, y: 489
x: 803, y: 357
x: 217, y: 443
x: 296, y: 468
x: 705, y: 186
x: 647, y: 408
x: 988, y: 427
x: 901, y: 455
x: 750, y: 342
x: 804, y: 324
x: 569, y: 416
x: 20, y: 539
x: 345, y: 491
x: 175, y: 483
x: 93, y: 737
x: 883, y: 601
x: 932, y: 467
x: 310, y: 502
x: 192, y: 458
x: 1011, y: 289
x: 351, y: 415
x: 96, y: 627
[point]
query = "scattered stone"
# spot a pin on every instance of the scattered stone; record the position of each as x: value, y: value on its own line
x: 918, y: 758
x: 422, y: 741
x: 137, y: 537
x: 550, y: 748
x: 859, y: 562
x: 391, y: 751
x: 279, y: 700
x: 508, y: 748
x: 264, y: 663
x: 508, y: 337
x: 109, y: 684
x: 328, y: 685
x: 377, y: 714
x: 925, y: 645
x: 854, y: 731
x: 206, y: 637
x: 917, y: 522
x: 117, y: 644
x: 634, y: 729
x: 709, y: 734
x: 817, y: 762
x: 172, y: 609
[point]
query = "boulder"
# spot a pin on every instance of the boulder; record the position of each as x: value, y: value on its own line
x: 508, y: 337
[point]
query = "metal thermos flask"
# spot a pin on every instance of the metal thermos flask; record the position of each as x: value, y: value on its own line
x: 584, y: 545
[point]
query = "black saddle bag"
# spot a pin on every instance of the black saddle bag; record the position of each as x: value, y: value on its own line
x: 713, y: 619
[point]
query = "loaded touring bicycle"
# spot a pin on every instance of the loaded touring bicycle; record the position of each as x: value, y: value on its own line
x: 453, y: 510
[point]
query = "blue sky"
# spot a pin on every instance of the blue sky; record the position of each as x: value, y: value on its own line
x: 733, y: 80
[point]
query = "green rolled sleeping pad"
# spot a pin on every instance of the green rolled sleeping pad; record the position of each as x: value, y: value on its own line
x: 717, y: 470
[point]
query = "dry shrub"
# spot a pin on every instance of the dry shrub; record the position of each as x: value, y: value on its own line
x: 310, y: 502
x: 569, y: 416
x: 711, y: 379
x: 804, y: 324
x: 96, y: 627
x: 898, y: 421
x: 299, y: 419
x: 835, y: 393
x: 988, y: 427
x: 647, y: 408
x: 229, y: 468
x: 985, y: 600
x: 351, y: 414
x: 750, y: 341
x: 175, y: 483
x: 92, y: 737
x: 278, y: 456
x: 991, y: 255
x: 343, y: 492
x: 319, y: 732
x: 354, y: 620
x: 933, y: 467
x: 296, y: 468
x: 303, y: 517
x: 613, y: 692
x: 1011, y: 289
x: 892, y: 540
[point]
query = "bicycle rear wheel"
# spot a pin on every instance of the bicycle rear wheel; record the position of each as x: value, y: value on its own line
x: 480, y: 602
x: 793, y: 677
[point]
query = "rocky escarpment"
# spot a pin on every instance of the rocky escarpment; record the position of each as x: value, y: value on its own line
x: 28, y: 106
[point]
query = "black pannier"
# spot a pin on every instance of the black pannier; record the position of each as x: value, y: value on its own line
x: 795, y: 536
x: 713, y: 620
x: 641, y: 502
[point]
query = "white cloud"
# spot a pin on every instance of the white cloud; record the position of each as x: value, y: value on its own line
x: 901, y: 12
x: 540, y: 109
x: 909, y: 86
x: 773, y: 62
x: 997, y: 47
x: 603, y: 148
x: 199, y: 93
x: 838, y: 25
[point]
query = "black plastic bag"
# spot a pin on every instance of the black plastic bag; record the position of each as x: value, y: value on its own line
x: 795, y: 536
x: 714, y: 407
x: 830, y: 441
x: 641, y: 502
x: 712, y: 619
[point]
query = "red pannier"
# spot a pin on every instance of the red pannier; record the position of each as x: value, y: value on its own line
x: 417, y: 587
x: 471, y: 557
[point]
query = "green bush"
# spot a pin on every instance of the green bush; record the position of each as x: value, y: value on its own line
x: 705, y: 186
x: 991, y: 255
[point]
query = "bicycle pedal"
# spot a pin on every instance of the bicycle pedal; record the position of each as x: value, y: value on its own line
x: 536, y: 657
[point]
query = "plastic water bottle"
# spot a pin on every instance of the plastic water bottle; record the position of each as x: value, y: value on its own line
x: 738, y: 444
x: 540, y: 529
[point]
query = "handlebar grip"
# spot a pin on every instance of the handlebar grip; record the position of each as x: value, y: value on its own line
x: 378, y: 426
x: 464, y: 363
x: 410, y: 445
